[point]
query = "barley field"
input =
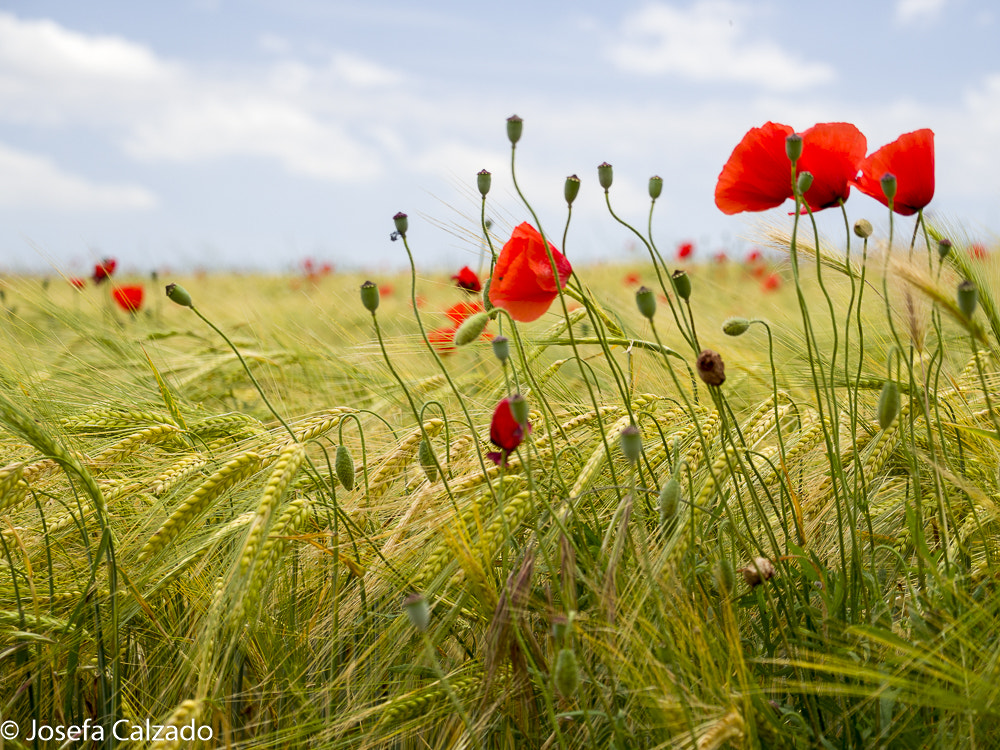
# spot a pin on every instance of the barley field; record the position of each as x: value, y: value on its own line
x: 694, y: 503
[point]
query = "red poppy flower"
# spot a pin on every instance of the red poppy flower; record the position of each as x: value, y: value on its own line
x: 442, y: 339
x: 459, y: 312
x: 832, y: 153
x: 78, y: 282
x: 128, y: 298
x: 911, y: 159
x: 685, y: 250
x: 523, y: 283
x: 468, y: 280
x: 104, y: 270
x: 505, y: 433
x: 757, y: 176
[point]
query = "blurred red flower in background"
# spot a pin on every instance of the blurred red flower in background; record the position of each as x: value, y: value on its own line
x: 77, y: 282
x: 631, y: 279
x: 977, y: 250
x: 467, y: 279
x: 104, y: 270
x: 771, y: 283
x: 911, y: 159
x: 685, y: 250
x: 442, y: 339
x: 523, y: 283
x: 128, y: 298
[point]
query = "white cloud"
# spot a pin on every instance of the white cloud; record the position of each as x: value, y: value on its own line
x: 28, y: 181
x: 708, y: 42
x: 914, y: 11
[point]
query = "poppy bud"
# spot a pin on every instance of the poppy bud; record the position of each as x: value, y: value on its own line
x: 483, y: 181
x: 501, y: 348
x: 560, y: 628
x: 514, y: 127
x: 343, y: 466
x: 645, y: 300
x: 793, y: 147
x: 425, y: 454
x: 669, y: 500
x: 487, y: 302
x: 605, y: 175
x: 888, y: 182
x: 631, y: 443
x: 725, y: 576
x: 179, y: 295
x: 571, y: 188
x: 566, y: 674
x: 370, y: 296
x: 519, y: 408
x: 888, y: 404
x: 968, y: 298
x: 711, y: 368
x: 418, y: 611
x: 682, y: 284
x: 944, y: 247
x: 471, y: 329
x: 803, y: 182
x: 655, y: 187
x: 401, y: 222
x: 761, y: 570
x: 863, y: 228
x: 735, y: 326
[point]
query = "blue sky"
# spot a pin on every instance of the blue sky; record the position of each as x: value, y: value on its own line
x: 254, y: 134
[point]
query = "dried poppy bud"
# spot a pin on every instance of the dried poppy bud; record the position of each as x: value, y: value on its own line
x: 179, y: 294
x: 761, y: 570
x: 483, y: 181
x: 370, y: 296
x: 605, y: 175
x: 514, y: 127
x: 401, y: 222
x: 793, y: 147
x: 418, y: 611
x: 571, y: 189
x: 968, y: 298
x: 711, y: 368
x: 863, y: 228
x: 645, y: 300
x: 655, y: 187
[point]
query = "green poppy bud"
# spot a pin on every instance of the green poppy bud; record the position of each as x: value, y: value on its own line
x: 793, y: 147
x: 418, y: 611
x: 401, y: 222
x: 370, y: 296
x: 888, y: 182
x: 483, y: 181
x: 487, y: 302
x: 471, y: 329
x: 343, y: 466
x: 888, y: 404
x: 179, y: 295
x: 655, y: 187
x: 425, y: 455
x: 863, y: 228
x: 803, y: 182
x: 645, y: 300
x: 631, y: 443
x: 725, y: 576
x: 682, y: 284
x: 514, y: 127
x: 566, y: 675
x: 669, y: 500
x: 605, y: 175
x: 968, y: 298
x: 735, y: 326
x: 501, y: 348
x: 519, y: 408
x: 571, y: 188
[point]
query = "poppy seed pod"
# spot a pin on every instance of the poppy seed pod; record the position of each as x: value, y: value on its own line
x: 605, y: 175
x: 471, y: 329
x: 645, y: 300
x: 571, y: 189
x: 418, y: 611
x: 370, y: 296
x: 944, y: 248
x: 793, y: 147
x: 888, y: 182
x: 735, y: 326
x: 682, y: 284
x: 888, y: 404
x: 711, y: 368
x: 655, y: 187
x: 803, y: 182
x: 566, y: 675
x: 968, y: 298
x: 179, y: 294
x: 631, y: 443
x: 483, y: 181
x: 514, y: 127
x: 401, y: 222
x: 519, y: 408
x: 863, y: 228
x: 343, y: 466
x: 761, y: 570
x: 501, y: 348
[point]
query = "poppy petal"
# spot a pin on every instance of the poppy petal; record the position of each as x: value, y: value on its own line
x: 911, y: 159
x: 757, y: 175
